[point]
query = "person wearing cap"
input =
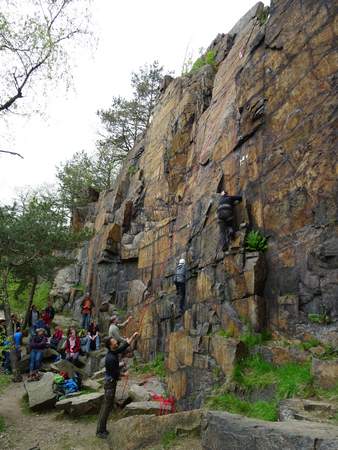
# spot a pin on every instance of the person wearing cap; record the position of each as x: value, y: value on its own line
x: 179, y: 280
x: 114, y: 328
x: 225, y: 216
x: 38, y: 344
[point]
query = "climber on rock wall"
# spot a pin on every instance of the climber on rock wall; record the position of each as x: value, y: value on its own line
x: 179, y: 280
x: 225, y: 216
x: 87, y: 306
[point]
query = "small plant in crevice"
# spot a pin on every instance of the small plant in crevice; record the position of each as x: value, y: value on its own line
x: 132, y: 170
x: 168, y: 439
x: 322, y: 318
x: 156, y: 366
x: 263, y: 15
x: 255, y: 241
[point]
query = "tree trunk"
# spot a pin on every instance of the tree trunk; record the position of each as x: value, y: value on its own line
x: 30, y: 301
x: 16, y: 376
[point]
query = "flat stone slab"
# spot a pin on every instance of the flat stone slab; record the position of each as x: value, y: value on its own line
x: 138, y: 393
x: 137, y: 432
x: 224, y: 431
x: 40, y: 393
x: 81, y: 405
x: 141, y: 408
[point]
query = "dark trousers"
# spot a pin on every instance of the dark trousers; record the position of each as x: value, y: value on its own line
x: 226, y: 232
x: 180, y: 291
x: 107, y: 405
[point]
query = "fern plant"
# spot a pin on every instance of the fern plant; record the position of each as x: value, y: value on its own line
x: 256, y: 242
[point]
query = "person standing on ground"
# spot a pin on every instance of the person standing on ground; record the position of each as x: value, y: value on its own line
x: 112, y: 376
x: 180, y: 280
x: 38, y: 344
x: 225, y: 217
x: 17, y: 337
x: 33, y: 316
x: 114, y: 328
x: 87, y: 306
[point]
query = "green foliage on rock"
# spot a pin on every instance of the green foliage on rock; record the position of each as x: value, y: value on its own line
x: 155, y: 367
x: 207, y: 59
x: 168, y: 439
x: 256, y: 242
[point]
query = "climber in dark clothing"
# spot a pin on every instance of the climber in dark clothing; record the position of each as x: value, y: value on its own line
x: 225, y: 217
x: 180, y: 278
x: 112, y: 376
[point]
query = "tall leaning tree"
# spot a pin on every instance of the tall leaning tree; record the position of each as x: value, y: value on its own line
x: 34, y: 237
x: 35, y: 45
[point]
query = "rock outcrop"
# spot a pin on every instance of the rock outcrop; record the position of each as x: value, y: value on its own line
x: 259, y: 122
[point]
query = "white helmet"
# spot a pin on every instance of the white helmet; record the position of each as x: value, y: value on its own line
x: 181, y: 261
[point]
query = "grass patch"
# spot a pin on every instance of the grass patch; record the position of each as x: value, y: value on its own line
x: 260, y: 410
x: 251, y: 339
x: 155, y: 367
x: 2, y: 424
x: 24, y: 404
x: 291, y: 379
x: 306, y: 345
x: 168, y: 439
x: 4, y: 381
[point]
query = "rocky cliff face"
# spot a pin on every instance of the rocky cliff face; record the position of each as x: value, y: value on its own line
x: 260, y: 124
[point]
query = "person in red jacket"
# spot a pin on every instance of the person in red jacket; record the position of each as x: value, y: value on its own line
x: 73, y: 345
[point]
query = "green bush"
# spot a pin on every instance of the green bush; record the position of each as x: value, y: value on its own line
x: 156, y: 366
x: 252, y: 339
x: 203, y: 60
x: 18, y: 297
x: 256, y: 242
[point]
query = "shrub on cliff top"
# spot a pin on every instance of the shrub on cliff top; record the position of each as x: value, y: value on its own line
x: 203, y: 60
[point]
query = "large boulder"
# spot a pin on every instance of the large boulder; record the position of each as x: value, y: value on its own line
x: 138, y: 393
x: 224, y: 431
x: 81, y: 405
x: 137, y: 432
x: 145, y: 407
x: 227, y: 353
x: 325, y: 372
x: 40, y: 393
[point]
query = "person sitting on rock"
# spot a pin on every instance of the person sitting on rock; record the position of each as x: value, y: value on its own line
x: 112, y: 376
x: 93, y: 337
x: 114, y: 328
x: 38, y: 344
x: 73, y: 345
x: 225, y: 213
x: 87, y: 306
x: 56, y: 338
x: 179, y: 280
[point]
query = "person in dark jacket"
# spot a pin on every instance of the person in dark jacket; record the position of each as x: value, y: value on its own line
x: 38, y: 344
x: 225, y: 217
x: 180, y: 279
x: 112, y: 376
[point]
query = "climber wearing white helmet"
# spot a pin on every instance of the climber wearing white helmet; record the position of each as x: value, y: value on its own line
x: 180, y: 277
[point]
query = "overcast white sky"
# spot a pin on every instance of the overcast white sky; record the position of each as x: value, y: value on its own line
x: 130, y: 33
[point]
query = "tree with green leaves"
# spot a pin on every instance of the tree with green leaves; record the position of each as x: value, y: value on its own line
x: 126, y: 119
x: 34, y: 238
x: 34, y: 44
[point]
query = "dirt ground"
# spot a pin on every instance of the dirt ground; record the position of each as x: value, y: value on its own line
x: 26, y: 430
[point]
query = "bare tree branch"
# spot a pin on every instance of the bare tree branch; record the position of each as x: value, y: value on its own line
x: 11, y: 153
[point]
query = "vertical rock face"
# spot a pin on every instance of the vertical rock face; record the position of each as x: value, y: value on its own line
x: 260, y: 124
